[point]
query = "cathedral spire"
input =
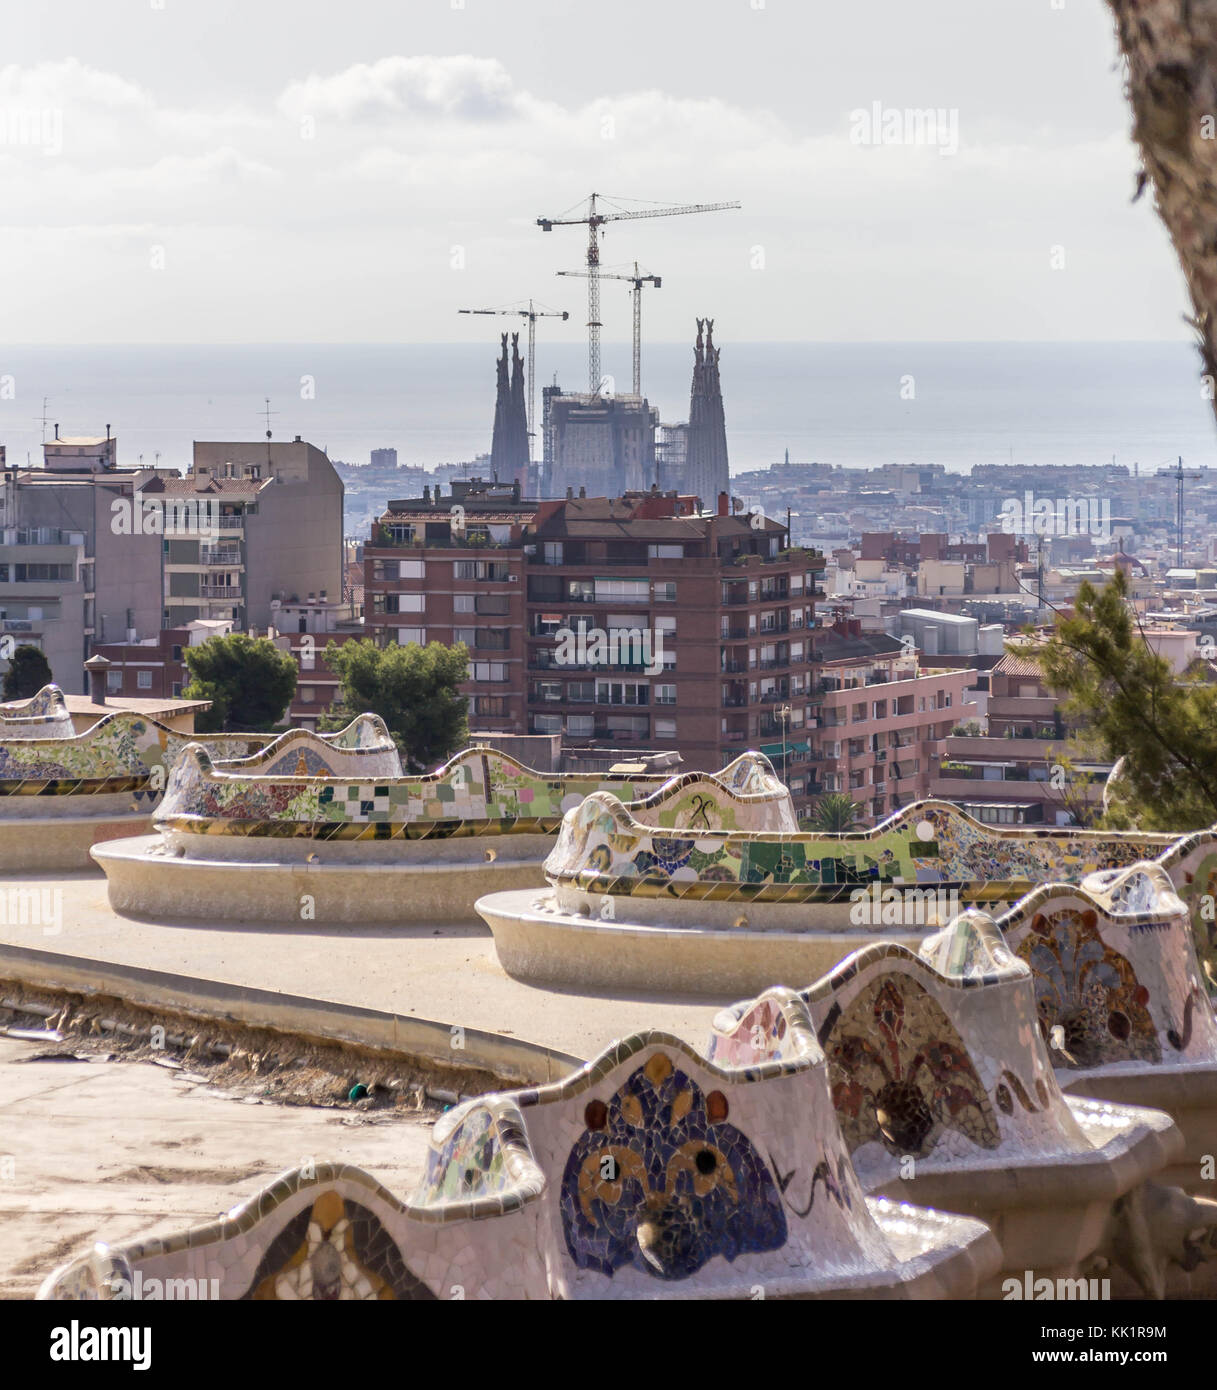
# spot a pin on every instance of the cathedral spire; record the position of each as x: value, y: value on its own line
x: 706, y: 470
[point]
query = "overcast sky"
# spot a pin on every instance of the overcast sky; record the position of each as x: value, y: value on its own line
x: 318, y: 171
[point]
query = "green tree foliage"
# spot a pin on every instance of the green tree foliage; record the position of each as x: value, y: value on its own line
x: 249, y: 681
x: 1134, y: 707
x: 412, y: 688
x: 28, y: 671
x: 835, y: 813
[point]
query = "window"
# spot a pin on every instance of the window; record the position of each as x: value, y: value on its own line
x: 583, y: 590
x: 553, y: 552
x: 622, y: 692
x: 308, y: 695
x: 468, y: 635
x: 549, y: 692
x: 665, y: 593
x: 580, y: 725
x: 618, y: 590
x: 114, y: 681
x: 493, y: 705
x: 143, y: 680
x: 665, y: 552
x: 411, y: 603
x: 496, y: 671
x: 547, y: 723
x: 665, y: 694
x: 581, y: 692
x: 463, y: 603
x: 412, y: 634
x: 412, y: 569
x: 665, y: 728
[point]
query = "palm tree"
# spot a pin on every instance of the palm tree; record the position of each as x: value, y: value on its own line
x: 835, y: 813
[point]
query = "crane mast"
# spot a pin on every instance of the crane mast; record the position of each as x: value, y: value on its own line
x: 594, y: 220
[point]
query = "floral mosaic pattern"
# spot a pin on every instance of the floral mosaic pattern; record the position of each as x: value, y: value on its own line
x: 902, y: 1074
x: 646, y: 1171
x: 661, y: 1181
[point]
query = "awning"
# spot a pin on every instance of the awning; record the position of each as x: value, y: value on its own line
x: 776, y: 750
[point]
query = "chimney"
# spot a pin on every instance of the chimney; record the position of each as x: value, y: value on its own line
x: 724, y: 503
x: 427, y: 493
x: 583, y: 492
x: 56, y: 432
x: 570, y: 494
x: 96, y: 667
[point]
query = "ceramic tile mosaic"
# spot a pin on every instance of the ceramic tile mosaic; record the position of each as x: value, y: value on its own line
x: 44, y: 715
x: 1117, y: 980
x: 602, y: 849
x: 127, y: 752
x: 936, y: 1057
x: 649, y: 1171
x: 479, y: 792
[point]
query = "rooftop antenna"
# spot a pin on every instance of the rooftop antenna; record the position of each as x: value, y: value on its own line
x: 268, y: 412
x: 45, y: 418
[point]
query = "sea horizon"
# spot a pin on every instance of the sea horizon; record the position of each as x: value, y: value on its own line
x: 857, y: 404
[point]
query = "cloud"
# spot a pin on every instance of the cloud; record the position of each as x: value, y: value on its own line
x: 461, y: 88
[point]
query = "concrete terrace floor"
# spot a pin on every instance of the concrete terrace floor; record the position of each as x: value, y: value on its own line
x: 122, y: 1150
x: 448, y: 973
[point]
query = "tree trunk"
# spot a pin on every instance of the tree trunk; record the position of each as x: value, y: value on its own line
x: 1171, y: 49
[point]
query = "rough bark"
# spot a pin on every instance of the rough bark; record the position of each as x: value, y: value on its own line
x: 1171, y: 52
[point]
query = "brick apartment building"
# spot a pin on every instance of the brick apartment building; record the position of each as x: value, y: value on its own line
x: 640, y: 621
x: 881, y: 719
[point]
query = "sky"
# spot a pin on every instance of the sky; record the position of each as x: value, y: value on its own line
x: 178, y: 171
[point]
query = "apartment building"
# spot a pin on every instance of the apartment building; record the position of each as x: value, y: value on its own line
x: 252, y: 523
x: 43, y: 579
x: 450, y: 568
x: 305, y: 629
x: 639, y: 621
x: 881, y: 719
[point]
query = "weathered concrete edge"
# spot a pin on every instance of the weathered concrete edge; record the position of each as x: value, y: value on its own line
x: 428, y: 1041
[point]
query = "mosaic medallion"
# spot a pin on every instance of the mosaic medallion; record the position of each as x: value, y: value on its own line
x: 659, y: 1180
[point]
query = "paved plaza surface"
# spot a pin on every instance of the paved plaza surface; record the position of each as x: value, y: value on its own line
x: 122, y: 1150
x: 448, y: 973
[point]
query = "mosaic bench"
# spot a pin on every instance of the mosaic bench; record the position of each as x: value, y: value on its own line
x: 1123, y: 1003
x: 648, y: 1173
x: 719, y: 911
x: 61, y: 793
x: 44, y: 715
x: 946, y: 1095
x: 229, y: 846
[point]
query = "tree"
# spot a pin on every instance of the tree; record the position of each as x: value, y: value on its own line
x: 835, y: 813
x: 971, y: 729
x: 1134, y: 707
x: 28, y: 671
x: 412, y: 688
x: 249, y: 681
x: 1171, y: 51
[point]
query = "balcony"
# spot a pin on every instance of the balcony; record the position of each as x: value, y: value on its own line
x: 219, y: 591
x: 228, y: 558
x: 734, y: 701
x: 733, y: 634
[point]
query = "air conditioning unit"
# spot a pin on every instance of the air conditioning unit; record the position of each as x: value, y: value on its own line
x: 513, y: 579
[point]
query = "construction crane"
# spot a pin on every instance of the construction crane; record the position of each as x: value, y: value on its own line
x: 1179, y: 476
x: 532, y: 314
x: 638, y: 279
x: 594, y: 220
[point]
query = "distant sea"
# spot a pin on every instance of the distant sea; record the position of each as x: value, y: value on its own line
x: 1030, y: 403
